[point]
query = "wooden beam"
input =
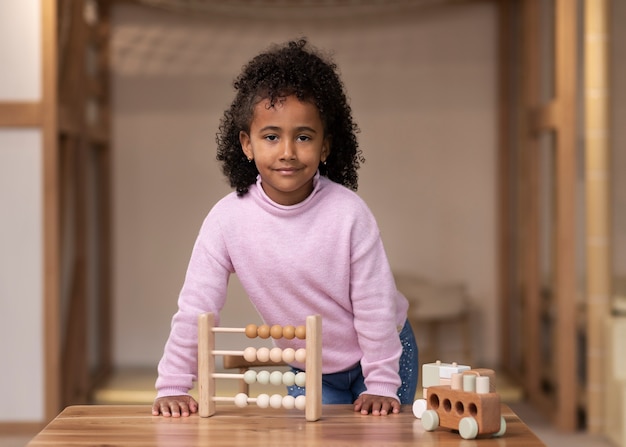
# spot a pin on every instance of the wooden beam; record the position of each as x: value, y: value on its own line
x: 105, y: 306
x: 598, y: 218
x: 567, y: 306
x: 21, y: 114
x: 544, y: 118
x: 529, y: 192
x: 505, y: 175
x: 51, y: 227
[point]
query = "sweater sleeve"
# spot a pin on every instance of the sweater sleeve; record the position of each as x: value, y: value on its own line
x: 204, y: 290
x: 376, y: 306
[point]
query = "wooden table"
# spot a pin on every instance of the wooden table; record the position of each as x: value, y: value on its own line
x: 133, y: 425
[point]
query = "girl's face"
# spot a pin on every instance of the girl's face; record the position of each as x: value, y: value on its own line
x: 287, y: 144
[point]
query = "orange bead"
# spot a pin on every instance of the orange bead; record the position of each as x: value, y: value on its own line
x: 301, y: 332
x: 263, y: 331
x: 289, y: 332
x: 276, y: 331
x: 251, y: 331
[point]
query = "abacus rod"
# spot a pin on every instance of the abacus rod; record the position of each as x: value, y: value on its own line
x: 229, y: 329
x: 231, y: 399
x: 221, y: 352
x: 227, y: 376
x: 223, y: 399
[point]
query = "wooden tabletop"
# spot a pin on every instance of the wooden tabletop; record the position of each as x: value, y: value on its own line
x: 133, y: 425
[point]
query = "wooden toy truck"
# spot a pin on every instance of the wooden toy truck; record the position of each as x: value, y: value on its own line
x: 468, y: 404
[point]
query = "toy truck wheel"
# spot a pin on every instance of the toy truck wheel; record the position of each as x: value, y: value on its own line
x: 468, y: 428
x: 502, y: 428
x: 419, y: 407
x: 430, y: 420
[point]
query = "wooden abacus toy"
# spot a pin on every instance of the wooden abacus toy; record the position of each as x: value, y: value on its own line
x: 311, y: 356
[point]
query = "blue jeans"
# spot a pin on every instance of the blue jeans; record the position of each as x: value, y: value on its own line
x: 344, y: 387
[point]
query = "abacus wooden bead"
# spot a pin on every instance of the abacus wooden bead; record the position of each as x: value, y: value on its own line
x: 289, y: 332
x: 241, y: 400
x: 301, y: 402
x: 276, y: 355
x: 289, y: 355
x: 301, y: 355
x: 263, y: 354
x: 249, y: 354
x: 263, y: 331
x: 289, y: 402
x: 301, y: 332
x: 276, y: 378
x: 249, y: 376
x: 251, y: 330
x: 289, y: 378
x: 276, y: 401
x: 263, y: 377
x: 263, y: 400
x: 301, y: 379
x: 276, y: 331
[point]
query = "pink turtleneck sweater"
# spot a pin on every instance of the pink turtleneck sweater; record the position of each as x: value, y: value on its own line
x: 321, y: 256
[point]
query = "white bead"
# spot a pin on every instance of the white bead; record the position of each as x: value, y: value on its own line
x: 276, y: 401
x: 249, y: 354
x: 301, y: 379
x: 263, y: 354
x: 262, y: 400
x: 289, y: 402
x: 249, y: 376
x: 276, y: 355
x: 301, y: 355
x: 301, y: 402
x: 241, y: 400
x: 263, y: 377
x: 289, y: 378
x: 289, y: 355
x: 276, y: 378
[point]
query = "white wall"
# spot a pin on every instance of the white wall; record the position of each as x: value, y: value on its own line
x: 423, y: 90
x: 21, y: 274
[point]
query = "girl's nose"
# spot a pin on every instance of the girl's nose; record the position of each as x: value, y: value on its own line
x: 289, y: 151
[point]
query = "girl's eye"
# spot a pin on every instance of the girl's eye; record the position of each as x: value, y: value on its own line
x: 271, y: 137
x: 303, y: 138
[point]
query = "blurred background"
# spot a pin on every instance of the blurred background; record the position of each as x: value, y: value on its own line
x: 493, y: 150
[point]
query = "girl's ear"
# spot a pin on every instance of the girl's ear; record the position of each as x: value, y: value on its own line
x: 244, y: 139
x: 325, y: 149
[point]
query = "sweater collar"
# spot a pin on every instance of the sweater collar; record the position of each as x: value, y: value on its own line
x: 266, y: 199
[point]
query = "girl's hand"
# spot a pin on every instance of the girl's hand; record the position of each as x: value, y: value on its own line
x: 377, y: 405
x: 174, y: 406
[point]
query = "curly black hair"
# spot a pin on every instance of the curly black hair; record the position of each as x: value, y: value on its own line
x: 290, y: 69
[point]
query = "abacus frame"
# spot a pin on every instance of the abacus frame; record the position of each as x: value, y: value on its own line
x: 207, y: 374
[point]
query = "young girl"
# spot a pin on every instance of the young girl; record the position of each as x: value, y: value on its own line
x: 299, y: 239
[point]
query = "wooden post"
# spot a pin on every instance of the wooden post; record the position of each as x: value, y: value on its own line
x: 206, y: 365
x: 529, y: 191
x: 598, y: 220
x: 557, y: 115
x: 313, y: 409
x: 51, y: 227
x: 565, y: 235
